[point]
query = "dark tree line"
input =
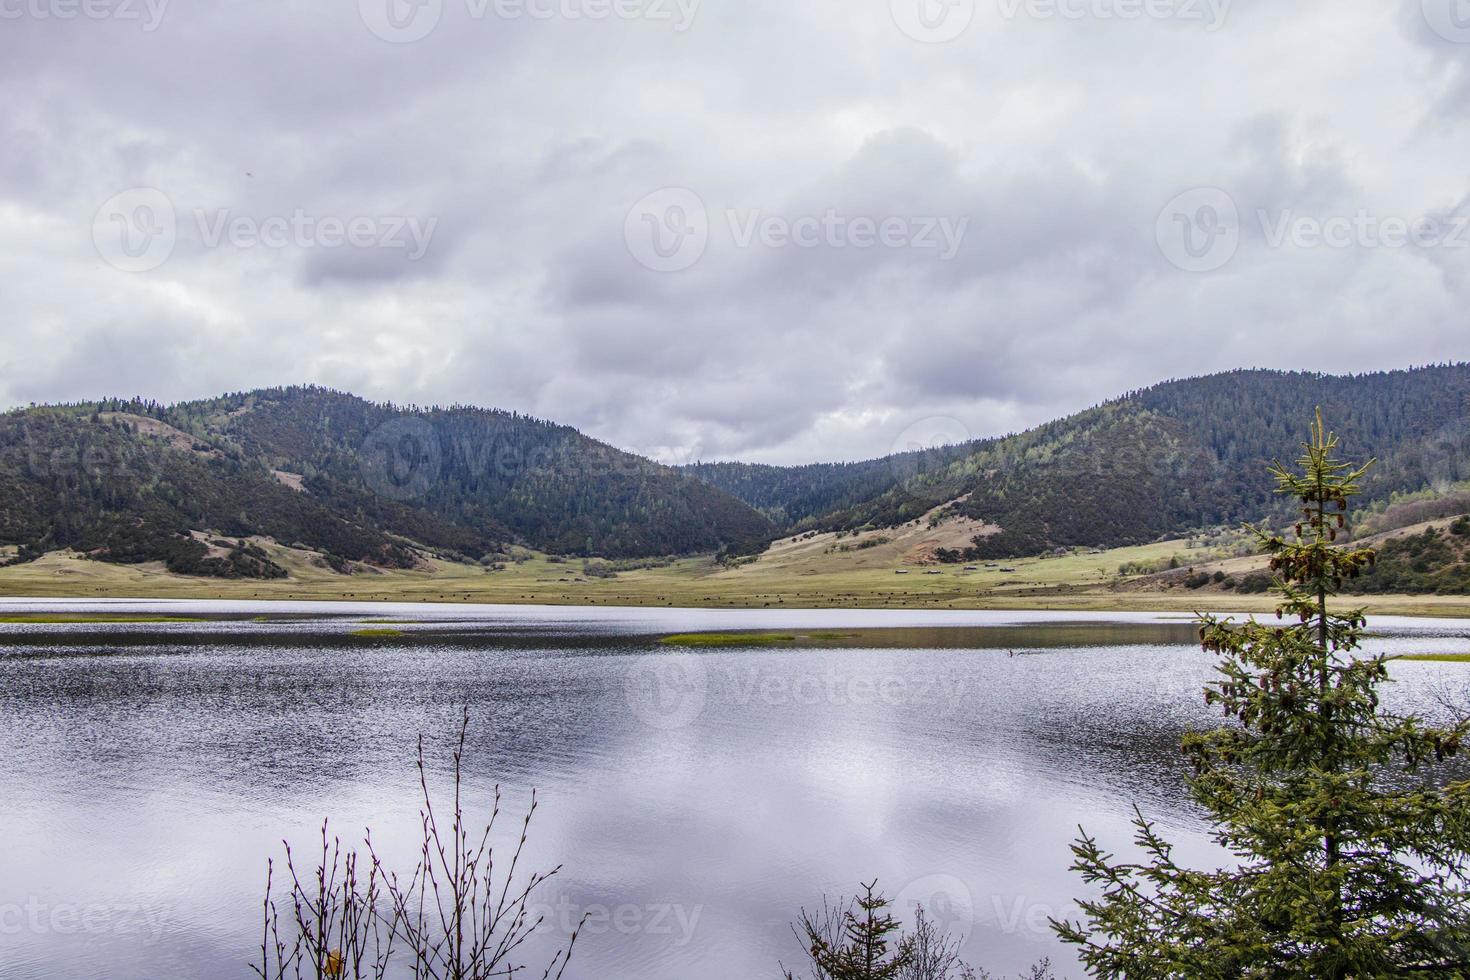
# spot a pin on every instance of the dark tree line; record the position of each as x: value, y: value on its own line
x: 1179, y: 456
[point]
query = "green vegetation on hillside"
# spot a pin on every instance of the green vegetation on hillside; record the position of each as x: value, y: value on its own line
x: 361, y: 484
x: 76, y: 479
x: 1351, y: 853
x: 208, y: 488
x: 544, y: 484
x: 1430, y: 562
x: 1158, y: 462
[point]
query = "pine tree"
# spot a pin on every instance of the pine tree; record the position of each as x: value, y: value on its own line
x: 1352, y: 847
x: 861, y: 941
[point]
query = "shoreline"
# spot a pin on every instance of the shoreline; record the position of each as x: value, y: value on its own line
x: 1433, y: 607
x: 1082, y: 583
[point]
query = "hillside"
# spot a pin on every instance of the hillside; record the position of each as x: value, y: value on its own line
x: 1154, y: 463
x: 354, y: 481
x: 206, y: 487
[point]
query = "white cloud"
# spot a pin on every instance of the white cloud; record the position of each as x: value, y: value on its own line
x: 528, y: 140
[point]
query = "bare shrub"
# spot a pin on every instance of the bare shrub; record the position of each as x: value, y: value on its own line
x: 857, y: 939
x: 455, y: 917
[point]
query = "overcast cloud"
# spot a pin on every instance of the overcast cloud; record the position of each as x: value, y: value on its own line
x: 728, y: 228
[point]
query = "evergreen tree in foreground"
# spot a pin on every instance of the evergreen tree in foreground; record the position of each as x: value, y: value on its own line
x: 860, y: 941
x: 1353, y: 851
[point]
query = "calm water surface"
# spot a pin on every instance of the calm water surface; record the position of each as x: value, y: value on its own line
x: 696, y: 799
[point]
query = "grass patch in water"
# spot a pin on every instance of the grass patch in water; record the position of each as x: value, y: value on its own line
x: 92, y: 618
x: 377, y: 633
x: 1443, y: 658
x: 750, y: 639
x: 727, y: 639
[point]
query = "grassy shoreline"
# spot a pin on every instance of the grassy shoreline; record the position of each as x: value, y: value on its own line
x: 1082, y: 583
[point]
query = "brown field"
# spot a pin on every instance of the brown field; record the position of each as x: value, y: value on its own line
x: 799, y: 574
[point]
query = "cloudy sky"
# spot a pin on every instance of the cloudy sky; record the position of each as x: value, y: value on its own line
x: 751, y: 229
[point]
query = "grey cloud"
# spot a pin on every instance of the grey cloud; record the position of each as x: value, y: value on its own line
x: 530, y: 140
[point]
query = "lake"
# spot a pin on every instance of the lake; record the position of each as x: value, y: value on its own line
x: 697, y: 799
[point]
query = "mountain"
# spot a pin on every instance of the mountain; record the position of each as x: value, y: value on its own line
x: 133, y: 481
x: 362, y: 483
x: 1160, y: 461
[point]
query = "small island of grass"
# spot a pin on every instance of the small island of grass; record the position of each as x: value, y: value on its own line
x: 738, y: 639
x: 92, y: 618
x: 727, y: 639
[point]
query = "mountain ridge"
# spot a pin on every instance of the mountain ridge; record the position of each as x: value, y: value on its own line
x: 367, y: 483
x: 361, y: 482
x: 1182, y: 454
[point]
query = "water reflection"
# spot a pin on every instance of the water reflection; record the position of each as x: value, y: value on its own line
x: 149, y: 772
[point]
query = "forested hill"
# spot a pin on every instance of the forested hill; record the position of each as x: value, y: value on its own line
x: 1177, y: 456
x: 359, y: 482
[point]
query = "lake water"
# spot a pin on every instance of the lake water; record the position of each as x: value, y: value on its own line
x: 697, y: 800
